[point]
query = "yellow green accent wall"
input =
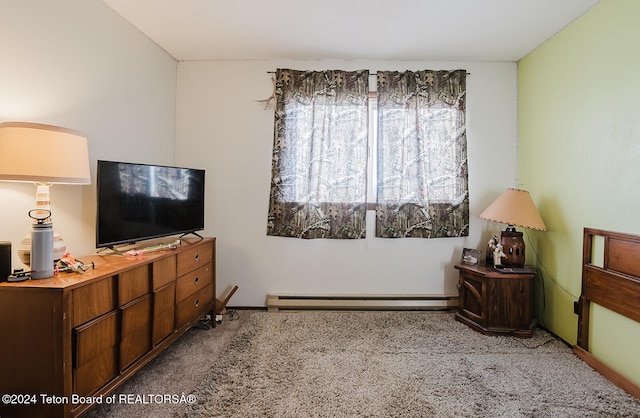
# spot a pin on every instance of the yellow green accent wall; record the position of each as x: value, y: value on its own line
x: 579, y: 157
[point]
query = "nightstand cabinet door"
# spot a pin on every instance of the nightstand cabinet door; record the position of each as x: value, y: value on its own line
x: 511, y: 304
x: 472, y: 289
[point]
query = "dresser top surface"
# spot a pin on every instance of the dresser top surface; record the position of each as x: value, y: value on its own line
x: 105, y: 265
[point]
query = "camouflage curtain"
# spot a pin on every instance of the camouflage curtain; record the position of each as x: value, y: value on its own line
x: 319, y: 161
x: 422, y: 155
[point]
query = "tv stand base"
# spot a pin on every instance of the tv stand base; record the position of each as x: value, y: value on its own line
x: 192, y: 233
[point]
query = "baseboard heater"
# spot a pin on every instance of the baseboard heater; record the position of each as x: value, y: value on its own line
x: 279, y: 302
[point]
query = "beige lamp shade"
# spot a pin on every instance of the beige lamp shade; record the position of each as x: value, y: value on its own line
x: 43, y: 153
x: 514, y: 207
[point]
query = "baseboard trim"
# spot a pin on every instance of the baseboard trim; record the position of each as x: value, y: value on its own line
x: 612, y: 375
x: 278, y: 302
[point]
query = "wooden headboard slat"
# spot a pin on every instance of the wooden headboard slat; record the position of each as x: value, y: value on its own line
x: 623, y: 256
x: 612, y: 290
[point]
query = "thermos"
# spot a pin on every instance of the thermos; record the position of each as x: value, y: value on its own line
x: 41, y: 246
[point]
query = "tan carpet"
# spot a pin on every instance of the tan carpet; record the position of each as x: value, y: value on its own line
x: 398, y: 364
x: 175, y: 372
x: 366, y: 364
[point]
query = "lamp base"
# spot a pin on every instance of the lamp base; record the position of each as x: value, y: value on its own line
x: 513, y: 248
x: 24, y: 249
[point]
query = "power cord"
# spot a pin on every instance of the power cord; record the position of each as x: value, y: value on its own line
x: 543, y: 267
x: 533, y: 347
x: 231, y: 315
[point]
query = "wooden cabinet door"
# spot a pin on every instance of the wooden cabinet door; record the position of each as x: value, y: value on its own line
x: 472, y: 297
x: 511, y: 302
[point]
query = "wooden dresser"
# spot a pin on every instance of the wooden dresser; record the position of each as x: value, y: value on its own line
x: 77, y: 337
x: 496, y: 303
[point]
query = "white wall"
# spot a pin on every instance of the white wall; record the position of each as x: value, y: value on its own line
x: 221, y: 127
x: 77, y: 64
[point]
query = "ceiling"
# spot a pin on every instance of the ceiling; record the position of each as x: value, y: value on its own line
x: 436, y: 30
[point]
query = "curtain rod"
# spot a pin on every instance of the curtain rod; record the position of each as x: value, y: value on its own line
x: 273, y: 72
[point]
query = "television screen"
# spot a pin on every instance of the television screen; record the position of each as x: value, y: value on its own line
x: 143, y: 201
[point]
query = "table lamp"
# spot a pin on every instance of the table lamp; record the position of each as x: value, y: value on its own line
x: 514, y: 207
x: 44, y: 155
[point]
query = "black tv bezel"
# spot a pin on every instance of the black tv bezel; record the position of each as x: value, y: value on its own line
x: 133, y: 240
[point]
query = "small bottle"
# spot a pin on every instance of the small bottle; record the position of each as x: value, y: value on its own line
x: 41, y: 247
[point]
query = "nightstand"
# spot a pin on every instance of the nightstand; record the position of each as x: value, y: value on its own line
x: 496, y: 303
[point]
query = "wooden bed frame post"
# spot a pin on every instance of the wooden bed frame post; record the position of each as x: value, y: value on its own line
x: 614, y: 286
x: 583, y: 303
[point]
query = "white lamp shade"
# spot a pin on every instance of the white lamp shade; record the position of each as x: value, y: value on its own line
x: 43, y: 153
x: 514, y: 207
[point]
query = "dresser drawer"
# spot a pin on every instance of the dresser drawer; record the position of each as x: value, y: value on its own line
x: 95, y: 353
x: 135, y: 330
x: 133, y: 284
x: 192, y: 282
x: 93, y: 300
x: 164, y: 299
x: 194, y: 258
x: 96, y: 373
x: 164, y: 271
x: 163, y: 312
x: 194, y: 306
x: 95, y: 337
x: 163, y: 325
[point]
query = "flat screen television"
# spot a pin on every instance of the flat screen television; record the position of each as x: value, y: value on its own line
x: 144, y: 201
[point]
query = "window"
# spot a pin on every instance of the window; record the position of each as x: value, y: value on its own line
x: 319, y: 163
x: 422, y: 154
x: 325, y: 171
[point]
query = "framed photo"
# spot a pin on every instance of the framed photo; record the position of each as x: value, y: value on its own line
x: 471, y: 256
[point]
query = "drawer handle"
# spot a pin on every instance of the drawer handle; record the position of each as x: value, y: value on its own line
x: 196, y: 258
x: 196, y: 280
x: 197, y: 303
